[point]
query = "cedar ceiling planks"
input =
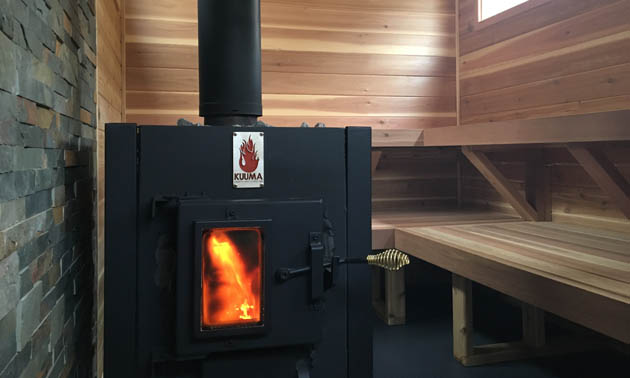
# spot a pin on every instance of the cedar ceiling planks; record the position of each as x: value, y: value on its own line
x: 386, y: 64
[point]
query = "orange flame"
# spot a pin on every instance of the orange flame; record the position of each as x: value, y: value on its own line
x: 249, y: 156
x: 231, y: 291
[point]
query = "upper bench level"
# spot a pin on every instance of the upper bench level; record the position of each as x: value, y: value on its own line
x: 595, y: 127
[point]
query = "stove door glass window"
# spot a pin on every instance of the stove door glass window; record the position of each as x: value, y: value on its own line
x: 231, y: 292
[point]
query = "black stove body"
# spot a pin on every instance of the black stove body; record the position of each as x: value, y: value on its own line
x: 219, y: 268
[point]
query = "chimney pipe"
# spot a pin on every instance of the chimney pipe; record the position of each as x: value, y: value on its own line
x: 229, y: 62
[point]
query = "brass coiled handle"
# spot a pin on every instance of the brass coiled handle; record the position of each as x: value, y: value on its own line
x: 391, y: 259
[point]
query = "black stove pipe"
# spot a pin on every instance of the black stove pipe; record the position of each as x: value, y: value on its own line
x: 229, y: 62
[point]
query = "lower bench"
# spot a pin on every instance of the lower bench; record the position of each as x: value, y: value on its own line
x: 574, y: 272
x: 388, y: 288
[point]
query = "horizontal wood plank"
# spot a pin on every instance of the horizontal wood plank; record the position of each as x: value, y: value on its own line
x: 602, y: 83
x: 597, y: 105
x: 144, y: 55
x: 295, y: 121
x: 384, y: 222
x: 473, y: 39
x: 357, y: 85
x: 186, y: 80
x: 429, y: 6
x: 185, y: 33
x: 414, y: 187
x: 187, y: 9
x: 300, y: 16
x: 319, y: 18
x: 385, y: 204
x: 307, y: 105
x: 610, y: 126
x: 592, y: 55
x: 397, y: 138
x: 551, y: 59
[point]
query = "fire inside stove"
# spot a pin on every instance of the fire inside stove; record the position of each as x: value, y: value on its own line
x: 231, y: 277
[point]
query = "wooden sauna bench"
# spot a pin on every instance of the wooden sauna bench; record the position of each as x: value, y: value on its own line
x: 384, y: 222
x: 388, y: 291
x: 577, y: 273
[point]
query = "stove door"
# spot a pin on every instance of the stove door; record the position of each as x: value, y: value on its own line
x: 232, y: 276
x: 228, y: 298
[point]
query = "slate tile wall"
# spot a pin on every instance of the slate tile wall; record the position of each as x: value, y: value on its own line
x: 47, y: 187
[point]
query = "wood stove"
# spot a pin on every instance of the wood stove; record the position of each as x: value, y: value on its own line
x: 208, y: 279
x: 225, y: 244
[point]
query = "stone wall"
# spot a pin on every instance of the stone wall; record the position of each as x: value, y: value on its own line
x: 47, y: 142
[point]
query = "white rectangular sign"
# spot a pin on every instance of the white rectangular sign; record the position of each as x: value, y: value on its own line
x: 248, y: 161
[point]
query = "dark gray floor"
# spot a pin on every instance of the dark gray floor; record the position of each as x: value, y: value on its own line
x: 423, y: 347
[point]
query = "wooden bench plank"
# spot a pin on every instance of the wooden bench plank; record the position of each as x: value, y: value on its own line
x: 582, y: 295
x: 563, y: 261
x: 385, y: 222
x: 609, y: 126
x: 391, y: 306
x: 472, y: 240
x: 588, y: 240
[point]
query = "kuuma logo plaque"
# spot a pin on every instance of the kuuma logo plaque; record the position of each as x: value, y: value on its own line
x: 248, y: 159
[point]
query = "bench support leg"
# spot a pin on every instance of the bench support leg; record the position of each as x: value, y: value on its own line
x: 533, y: 326
x: 532, y: 345
x: 388, y: 295
x: 462, y: 317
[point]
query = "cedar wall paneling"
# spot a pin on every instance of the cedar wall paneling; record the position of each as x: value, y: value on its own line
x: 576, y: 198
x: 560, y: 57
x: 407, y: 178
x: 110, y: 108
x: 546, y: 59
x: 387, y: 64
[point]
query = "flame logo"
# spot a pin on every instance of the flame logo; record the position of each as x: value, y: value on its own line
x: 249, y: 156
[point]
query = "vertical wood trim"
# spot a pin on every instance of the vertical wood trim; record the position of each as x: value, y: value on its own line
x: 538, y: 185
x: 395, y: 296
x: 604, y: 173
x: 123, y: 38
x: 457, y: 69
x: 376, y: 157
x: 533, y: 325
x: 460, y: 185
x: 502, y: 185
x: 99, y: 349
x: 462, y: 317
x: 97, y: 74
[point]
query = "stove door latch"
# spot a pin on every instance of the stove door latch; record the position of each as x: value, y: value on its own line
x: 324, y: 275
x: 316, y: 268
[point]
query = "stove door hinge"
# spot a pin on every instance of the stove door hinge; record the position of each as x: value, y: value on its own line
x: 317, y: 265
x: 160, y: 201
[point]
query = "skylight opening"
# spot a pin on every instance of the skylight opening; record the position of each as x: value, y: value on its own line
x: 489, y: 8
